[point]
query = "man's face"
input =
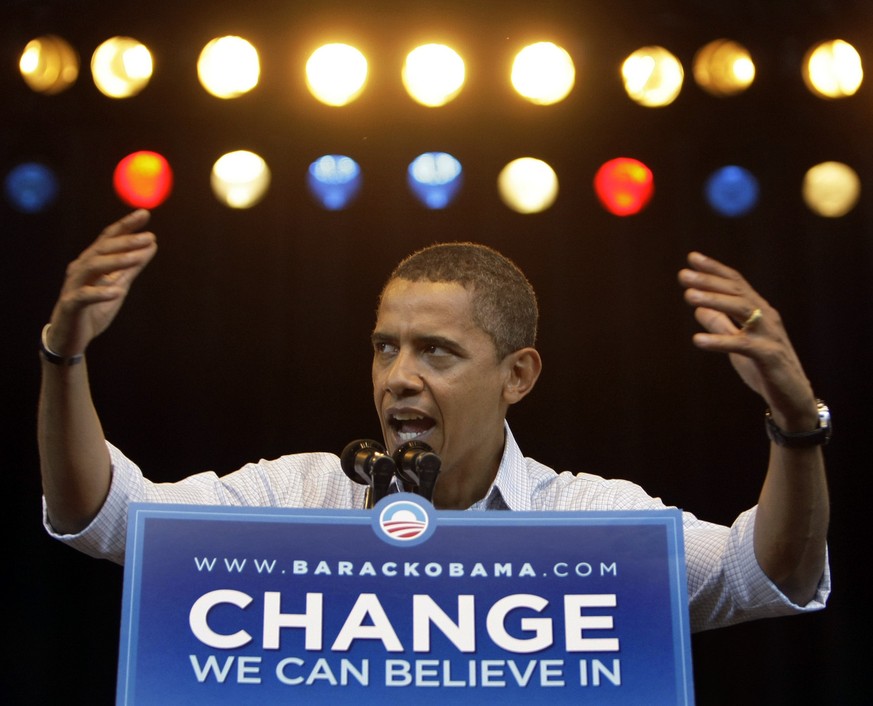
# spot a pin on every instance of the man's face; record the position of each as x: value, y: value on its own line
x: 436, y: 377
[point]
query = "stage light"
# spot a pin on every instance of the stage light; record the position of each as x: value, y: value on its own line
x: 833, y: 69
x: 528, y: 185
x: 732, y: 191
x: 624, y: 186
x: 435, y: 178
x: 49, y: 64
x: 433, y: 74
x: 334, y: 180
x: 240, y: 179
x: 31, y: 187
x: 143, y: 179
x: 121, y: 67
x: 543, y: 73
x: 723, y: 68
x: 336, y: 74
x: 652, y: 76
x: 831, y: 189
x: 228, y: 67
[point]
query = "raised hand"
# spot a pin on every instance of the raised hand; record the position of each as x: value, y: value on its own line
x: 741, y: 323
x: 97, y: 283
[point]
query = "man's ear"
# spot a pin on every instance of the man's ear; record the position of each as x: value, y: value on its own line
x: 524, y: 365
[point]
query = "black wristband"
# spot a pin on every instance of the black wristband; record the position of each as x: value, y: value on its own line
x: 819, y: 436
x: 51, y: 357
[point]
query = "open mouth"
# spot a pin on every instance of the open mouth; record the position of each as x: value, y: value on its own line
x: 410, y: 426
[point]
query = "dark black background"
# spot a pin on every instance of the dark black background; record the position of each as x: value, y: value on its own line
x: 248, y: 335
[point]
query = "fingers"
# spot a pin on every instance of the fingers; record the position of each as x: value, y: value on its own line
x: 131, y: 223
x: 116, y: 257
x: 713, y: 285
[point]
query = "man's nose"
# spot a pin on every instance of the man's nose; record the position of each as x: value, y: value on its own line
x: 403, y: 376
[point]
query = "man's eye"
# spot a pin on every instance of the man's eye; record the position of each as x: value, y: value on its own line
x: 436, y: 350
x: 384, y: 347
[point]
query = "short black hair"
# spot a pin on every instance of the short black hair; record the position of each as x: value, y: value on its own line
x: 504, y: 302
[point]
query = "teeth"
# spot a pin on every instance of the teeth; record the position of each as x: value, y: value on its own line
x: 408, y: 435
x: 407, y: 417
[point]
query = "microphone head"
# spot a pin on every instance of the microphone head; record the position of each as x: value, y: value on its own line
x: 356, y: 459
x: 415, y: 459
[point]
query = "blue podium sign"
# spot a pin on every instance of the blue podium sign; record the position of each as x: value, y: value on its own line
x: 266, y: 606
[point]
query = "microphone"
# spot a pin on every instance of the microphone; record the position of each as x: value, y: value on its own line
x: 419, y: 466
x: 365, y: 462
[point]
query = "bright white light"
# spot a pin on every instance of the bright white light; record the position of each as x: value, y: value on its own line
x: 528, y: 185
x: 831, y: 189
x: 240, y: 179
x: 833, y: 69
x: 229, y: 67
x: 121, y: 67
x: 543, y: 73
x: 433, y: 74
x: 652, y: 76
x: 336, y: 74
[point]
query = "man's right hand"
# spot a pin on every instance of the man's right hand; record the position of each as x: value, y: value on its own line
x: 97, y: 283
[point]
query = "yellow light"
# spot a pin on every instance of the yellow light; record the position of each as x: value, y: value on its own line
x: 228, y: 67
x: 528, y: 185
x: 49, y: 64
x: 433, y: 74
x: 724, y: 68
x: 240, y: 179
x: 833, y: 69
x: 121, y: 67
x: 652, y: 76
x: 336, y: 74
x: 831, y: 189
x: 543, y: 73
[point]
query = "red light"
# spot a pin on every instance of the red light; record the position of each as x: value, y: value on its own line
x: 143, y: 179
x: 624, y: 186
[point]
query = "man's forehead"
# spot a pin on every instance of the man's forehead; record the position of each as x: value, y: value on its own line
x: 406, y: 303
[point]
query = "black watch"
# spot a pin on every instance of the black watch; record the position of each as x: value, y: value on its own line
x: 802, y: 439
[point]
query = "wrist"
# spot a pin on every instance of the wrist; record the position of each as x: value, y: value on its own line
x: 816, y: 432
x: 50, y: 356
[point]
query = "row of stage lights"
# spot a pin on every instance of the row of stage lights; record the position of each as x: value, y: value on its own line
x: 433, y: 74
x: 624, y: 186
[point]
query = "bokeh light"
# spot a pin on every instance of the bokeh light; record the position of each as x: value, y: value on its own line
x: 240, y: 179
x: 831, y: 189
x: 334, y: 180
x: 732, y: 191
x: 435, y: 178
x: 833, y: 69
x: 433, y: 74
x: 336, y: 74
x: 543, y: 73
x: 31, y: 187
x: 652, y: 76
x: 228, y: 67
x: 528, y: 185
x: 121, y: 67
x: 723, y: 68
x: 143, y: 179
x: 624, y: 186
x: 49, y: 64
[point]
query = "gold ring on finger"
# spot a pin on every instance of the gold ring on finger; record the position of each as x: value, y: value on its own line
x: 753, y: 319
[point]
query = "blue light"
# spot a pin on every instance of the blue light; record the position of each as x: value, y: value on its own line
x: 334, y: 180
x: 31, y: 187
x: 732, y: 191
x: 435, y: 178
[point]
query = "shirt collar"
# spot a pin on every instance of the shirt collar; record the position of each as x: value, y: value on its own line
x: 511, y: 489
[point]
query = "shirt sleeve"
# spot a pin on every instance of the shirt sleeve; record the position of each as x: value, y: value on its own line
x: 726, y: 585
x: 299, y: 480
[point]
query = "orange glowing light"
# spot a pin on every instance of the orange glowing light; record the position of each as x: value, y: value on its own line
x: 624, y: 186
x: 143, y: 179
